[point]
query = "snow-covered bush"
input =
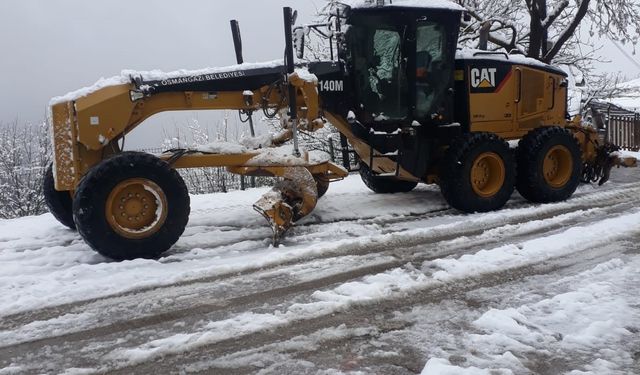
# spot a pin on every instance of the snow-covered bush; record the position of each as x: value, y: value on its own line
x: 209, y: 180
x: 25, y: 152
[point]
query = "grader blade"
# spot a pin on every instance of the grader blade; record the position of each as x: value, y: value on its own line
x: 289, y: 201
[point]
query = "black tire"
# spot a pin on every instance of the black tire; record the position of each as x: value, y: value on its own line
x: 322, y: 184
x: 530, y: 155
x: 456, y: 181
x: 384, y: 185
x: 60, y: 203
x: 92, y: 202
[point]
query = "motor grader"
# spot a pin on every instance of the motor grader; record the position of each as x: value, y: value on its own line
x: 413, y: 108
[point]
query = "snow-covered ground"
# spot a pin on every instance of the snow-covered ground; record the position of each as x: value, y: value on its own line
x: 366, y: 284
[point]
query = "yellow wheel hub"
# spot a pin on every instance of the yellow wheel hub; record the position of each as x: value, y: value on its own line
x: 487, y: 174
x: 557, y: 167
x: 136, y: 208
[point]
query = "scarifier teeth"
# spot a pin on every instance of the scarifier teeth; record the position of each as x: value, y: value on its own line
x: 288, y: 201
x: 277, y: 212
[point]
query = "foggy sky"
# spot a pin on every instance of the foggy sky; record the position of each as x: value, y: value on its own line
x: 51, y: 47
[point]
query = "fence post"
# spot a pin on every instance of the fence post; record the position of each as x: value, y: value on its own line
x: 636, y: 132
x: 332, y: 150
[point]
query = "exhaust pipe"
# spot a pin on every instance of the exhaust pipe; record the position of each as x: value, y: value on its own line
x: 237, y: 40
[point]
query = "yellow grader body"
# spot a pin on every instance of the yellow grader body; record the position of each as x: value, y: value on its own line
x: 86, y: 131
x: 414, y: 112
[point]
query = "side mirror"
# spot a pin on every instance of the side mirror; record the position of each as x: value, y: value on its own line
x: 466, y: 17
x: 294, y: 18
x: 298, y: 41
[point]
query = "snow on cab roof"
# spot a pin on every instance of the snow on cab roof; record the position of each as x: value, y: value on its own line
x: 157, y: 75
x: 433, y: 4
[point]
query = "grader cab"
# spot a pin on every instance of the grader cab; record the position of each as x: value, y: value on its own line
x: 413, y: 108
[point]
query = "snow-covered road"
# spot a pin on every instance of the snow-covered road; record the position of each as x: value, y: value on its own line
x: 367, y: 283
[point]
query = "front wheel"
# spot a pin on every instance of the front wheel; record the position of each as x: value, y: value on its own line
x: 478, y: 173
x: 130, y: 206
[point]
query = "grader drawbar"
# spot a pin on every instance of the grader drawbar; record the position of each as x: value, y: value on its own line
x: 412, y: 107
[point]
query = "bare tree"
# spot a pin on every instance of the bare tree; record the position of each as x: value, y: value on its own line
x: 549, y: 30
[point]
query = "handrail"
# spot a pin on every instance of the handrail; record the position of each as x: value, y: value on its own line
x: 491, y: 53
x: 519, y: 74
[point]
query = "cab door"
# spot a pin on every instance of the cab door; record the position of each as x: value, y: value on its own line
x: 434, y: 66
x: 379, y: 66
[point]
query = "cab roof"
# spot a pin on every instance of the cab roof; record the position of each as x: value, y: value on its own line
x: 427, y: 4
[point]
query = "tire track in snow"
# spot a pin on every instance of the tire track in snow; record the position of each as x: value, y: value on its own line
x: 280, y: 293
x: 299, y: 232
x: 473, y: 227
x: 210, y: 345
x: 314, y: 224
x: 392, y: 328
x: 359, y: 312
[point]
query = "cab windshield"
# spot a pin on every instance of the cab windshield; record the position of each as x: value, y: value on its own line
x: 381, y: 55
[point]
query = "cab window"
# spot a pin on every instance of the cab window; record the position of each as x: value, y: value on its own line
x: 432, y: 65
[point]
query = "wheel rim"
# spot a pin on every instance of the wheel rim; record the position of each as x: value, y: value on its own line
x: 487, y: 174
x: 558, y: 165
x: 136, y: 208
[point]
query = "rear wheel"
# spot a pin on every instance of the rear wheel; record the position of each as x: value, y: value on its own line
x: 59, y: 202
x: 132, y: 205
x: 384, y: 185
x: 549, y: 165
x: 478, y: 173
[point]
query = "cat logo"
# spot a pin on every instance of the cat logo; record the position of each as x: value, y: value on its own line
x: 483, y: 78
